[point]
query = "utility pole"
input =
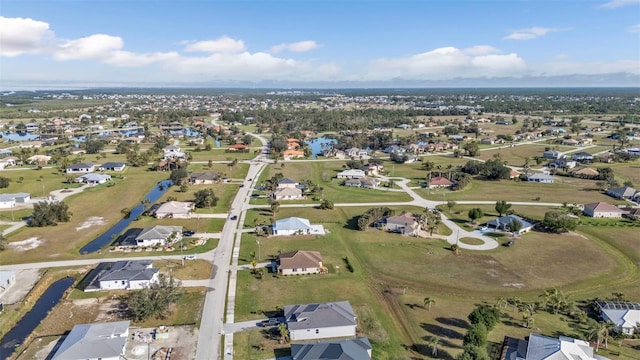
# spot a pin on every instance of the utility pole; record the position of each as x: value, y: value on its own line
x: 259, y: 256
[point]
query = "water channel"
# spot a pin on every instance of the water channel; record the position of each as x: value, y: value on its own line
x: 109, y: 236
x: 16, y: 336
x: 319, y: 144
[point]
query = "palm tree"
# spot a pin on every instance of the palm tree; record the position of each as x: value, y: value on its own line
x: 428, y: 302
x: 284, y: 333
x: 606, y: 328
x: 500, y: 302
x: 514, y: 302
x: 434, y: 341
x: 456, y: 249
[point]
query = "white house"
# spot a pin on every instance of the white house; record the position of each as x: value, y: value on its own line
x: 81, y: 168
x: 93, y: 178
x: 112, y: 166
x: 159, y: 235
x: 540, y: 178
x: 287, y: 193
x: 602, y: 210
x: 7, y: 279
x: 320, y: 320
x: 291, y: 226
x: 624, y: 315
x: 541, y: 347
x: 351, y: 174
x: 126, y: 275
x: 11, y: 200
x: 502, y: 223
x: 175, y: 210
x: 105, y: 341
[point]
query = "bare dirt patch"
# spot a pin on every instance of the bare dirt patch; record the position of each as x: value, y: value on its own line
x: 24, y: 245
x: 91, y: 221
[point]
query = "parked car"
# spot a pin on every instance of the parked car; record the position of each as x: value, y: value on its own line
x: 270, y: 322
x: 188, y: 233
x: 509, y: 243
x: 190, y: 257
x: 241, y: 185
x: 234, y: 217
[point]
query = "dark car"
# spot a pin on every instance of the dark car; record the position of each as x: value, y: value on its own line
x: 269, y: 322
x: 508, y: 243
x: 188, y: 233
x: 234, y: 217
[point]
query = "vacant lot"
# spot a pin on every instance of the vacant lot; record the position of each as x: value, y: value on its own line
x: 516, y: 156
x: 565, y: 189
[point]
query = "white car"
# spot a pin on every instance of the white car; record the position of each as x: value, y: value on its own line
x: 190, y: 257
x: 484, y: 228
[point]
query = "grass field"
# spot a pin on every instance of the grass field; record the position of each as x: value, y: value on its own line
x: 565, y: 189
x: 394, y: 265
x: 224, y: 192
x: 515, y: 156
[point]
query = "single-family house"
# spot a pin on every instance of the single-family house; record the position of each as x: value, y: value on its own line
x: 81, y: 168
x: 624, y: 192
x: 175, y: 210
x: 173, y: 152
x: 624, y: 315
x: 335, y: 153
x: 502, y: 223
x: 287, y: 193
x: 202, y: 178
x: 364, y: 182
x: 585, y: 172
x: 93, y: 178
x: 514, y: 174
x: 287, y: 183
x: 12, y: 200
x: 540, y: 347
x: 291, y: 226
x: 345, y: 349
x: 104, y: 341
x: 552, y: 154
x: 357, y: 153
x: 351, y: 174
x: 539, y: 178
x: 602, y: 210
x: 439, y: 182
x: 582, y: 156
x: 562, y: 163
x: 320, y: 320
x: 570, y: 142
x: 7, y: 279
x: 372, y: 169
x: 631, y: 213
x: 8, y: 161
x: 300, y: 262
x: 123, y: 275
x: 39, y: 159
x: 112, y: 166
x: 292, y: 154
x: 159, y: 235
x: 404, y: 224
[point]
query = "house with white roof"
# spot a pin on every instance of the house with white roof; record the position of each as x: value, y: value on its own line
x: 625, y: 315
x: 540, y: 347
x: 351, y: 174
x: 105, y: 341
x: 122, y: 275
x: 175, y: 210
x: 320, y: 320
x: 296, y: 226
x: 93, y: 178
x: 11, y: 200
x: 287, y: 193
x: 540, y: 178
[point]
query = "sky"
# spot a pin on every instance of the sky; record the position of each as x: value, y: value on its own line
x: 317, y: 43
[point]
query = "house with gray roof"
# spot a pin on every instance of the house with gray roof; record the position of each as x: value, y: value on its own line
x: 93, y: 178
x: 122, y: 275
x: 563, y: 348
x: 80, y: 168
x: 159, y: 235
x: 347, y: 349
x: 404, y: 224
x: 351, y: 174
x: 105, y: 341
x: 175, y: 210
x: 296, y: 226
x: 112, y: 166
x: 540, y: 178
x: 11, y: 200
x: 320, y: 320
x: 624, y: 192
x: 287, y: 193
x: 502, y: 223
x: 625, y: 315
x: 201, y: 178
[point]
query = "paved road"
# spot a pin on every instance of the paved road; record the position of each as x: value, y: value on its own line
x: 211, y: 328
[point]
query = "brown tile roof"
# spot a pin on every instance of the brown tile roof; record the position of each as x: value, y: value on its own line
x: 300, y: 259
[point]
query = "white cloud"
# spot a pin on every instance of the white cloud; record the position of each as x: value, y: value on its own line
x: 528, y: 34
x: 224, y: 45
x: 23, y: 36
x: 634, y: 28
x: 448, y: 62
x: 614, y: 4
x: 300, y: 46
x: 94, y: 47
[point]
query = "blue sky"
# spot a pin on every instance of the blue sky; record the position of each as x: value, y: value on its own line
x: 146, y: 43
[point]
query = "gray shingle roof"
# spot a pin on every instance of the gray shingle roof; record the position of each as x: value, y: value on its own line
x: 92, y: 341
x: 349, y: 349
x: 319, y: 315
x: 292, y: 223
x: 158, y: 232
x: 129, y: 270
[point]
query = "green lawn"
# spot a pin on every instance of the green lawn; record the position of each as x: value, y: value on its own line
x: 224, y: 191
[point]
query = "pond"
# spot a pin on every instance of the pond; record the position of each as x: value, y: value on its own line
x: 109, y: 236
x: 18, y: 136
x: 319, y: 144
x: 16, y: 336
